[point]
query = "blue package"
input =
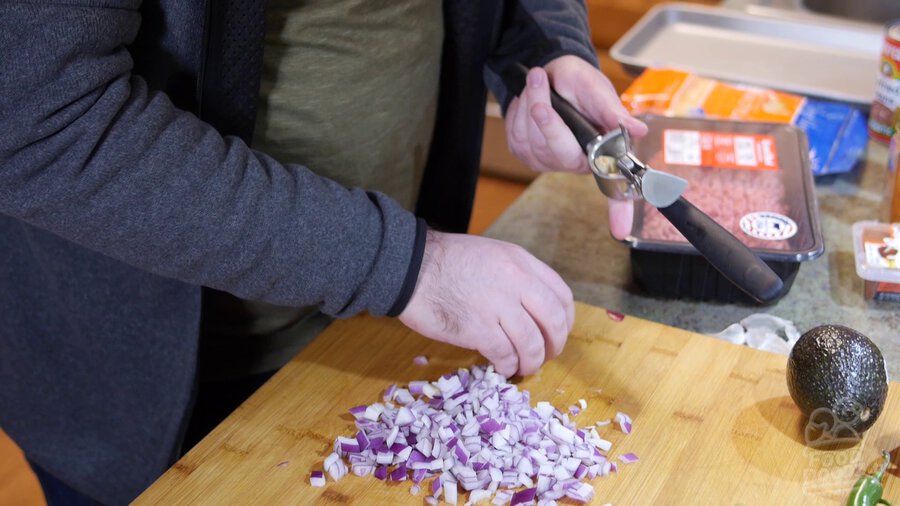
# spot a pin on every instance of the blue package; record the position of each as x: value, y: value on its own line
x: 837, y: 135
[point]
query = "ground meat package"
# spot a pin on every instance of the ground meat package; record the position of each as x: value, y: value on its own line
x: 754, y: 179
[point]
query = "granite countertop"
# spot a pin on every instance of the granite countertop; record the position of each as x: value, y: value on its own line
x: 562, y: 219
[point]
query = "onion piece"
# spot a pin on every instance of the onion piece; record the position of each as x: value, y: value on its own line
x: 628, y: 458
x: 624, y: 422
x: 398, y: 474
x: 581, y: 492
x: 474, y: 430
x: 436, y: 487
x: 523, y: 496
x: 502, y: 497
x: 450, y: 491
x: 477, y: 496
x: 317, y: 479
x: 615, y: 315
x: 389, y: 393
x: 362, y: 440
x: 420, y: 360
x: 373, y: 412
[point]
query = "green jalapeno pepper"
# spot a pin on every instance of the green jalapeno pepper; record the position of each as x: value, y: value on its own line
x: 868, y: 489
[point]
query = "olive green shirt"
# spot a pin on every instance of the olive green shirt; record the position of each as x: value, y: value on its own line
x: 349, y: 89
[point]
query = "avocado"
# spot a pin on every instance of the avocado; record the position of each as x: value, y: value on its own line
x: 837, y: 371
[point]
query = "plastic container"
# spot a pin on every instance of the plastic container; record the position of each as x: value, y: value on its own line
x: 876, y: 247
x: 754, y: 179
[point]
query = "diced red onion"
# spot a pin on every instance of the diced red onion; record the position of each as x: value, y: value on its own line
x: 420, y: 360
x: 561, y: 473
x: 347, y: 445
x: 624, y: 422
x: 436, y: 486
x: 402, y: 396
x: 479, y: 495
x: 431, y: 390
x: 335, y: 466
x: 450, y: 492
x: 603, y: 444
x: 502, y: 497
x: 373, y: 412
x: 362, y: 440
x: 399, y: 473
x: 581, y: 492
x: 376, y: 443
x: 415, y: 387
x: 317, y: 479
x: 403, y: 455
x: 395, y: 430
x: 560, y: 433
x: 476, y: 431
x: 556, y: 492
x: 544, y: 410
x: 405, y: 416
x: 628, y: 458
x: 523, y: 496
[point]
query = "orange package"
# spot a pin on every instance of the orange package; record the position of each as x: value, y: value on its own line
x: 672, y: 92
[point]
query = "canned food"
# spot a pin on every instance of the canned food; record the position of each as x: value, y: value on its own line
x: 882, y: 117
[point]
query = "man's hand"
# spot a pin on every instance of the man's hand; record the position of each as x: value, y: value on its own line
x: 537, y: 135
x: 491, y: 296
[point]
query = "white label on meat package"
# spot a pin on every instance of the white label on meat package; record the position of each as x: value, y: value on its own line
x: 768, y: 226
x: 744, y: 151
x: 682, y: 147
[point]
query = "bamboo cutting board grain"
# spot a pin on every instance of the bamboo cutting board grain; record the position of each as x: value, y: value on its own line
x: 713, y: 422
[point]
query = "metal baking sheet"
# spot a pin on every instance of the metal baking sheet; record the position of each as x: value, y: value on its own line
x: 835, y: 61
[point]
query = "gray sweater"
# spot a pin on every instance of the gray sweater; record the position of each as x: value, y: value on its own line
x: 116, y: 205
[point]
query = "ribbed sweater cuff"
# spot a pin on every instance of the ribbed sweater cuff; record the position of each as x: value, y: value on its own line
x: 412, y: 274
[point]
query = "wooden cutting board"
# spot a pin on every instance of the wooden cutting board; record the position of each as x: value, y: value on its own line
x: 713, y: 422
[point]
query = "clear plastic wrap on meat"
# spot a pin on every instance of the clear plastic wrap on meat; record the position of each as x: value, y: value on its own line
x: 726, y: 195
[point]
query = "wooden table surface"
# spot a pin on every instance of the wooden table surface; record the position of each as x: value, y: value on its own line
x: 713, y: 422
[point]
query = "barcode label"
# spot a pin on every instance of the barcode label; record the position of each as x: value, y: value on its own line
x: 744, y: 151
x: 682, y: 147
x: 724, y: 150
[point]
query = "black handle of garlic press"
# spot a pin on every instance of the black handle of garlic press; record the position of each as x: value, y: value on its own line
x: 514, y: 79
x: 724, y: 251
